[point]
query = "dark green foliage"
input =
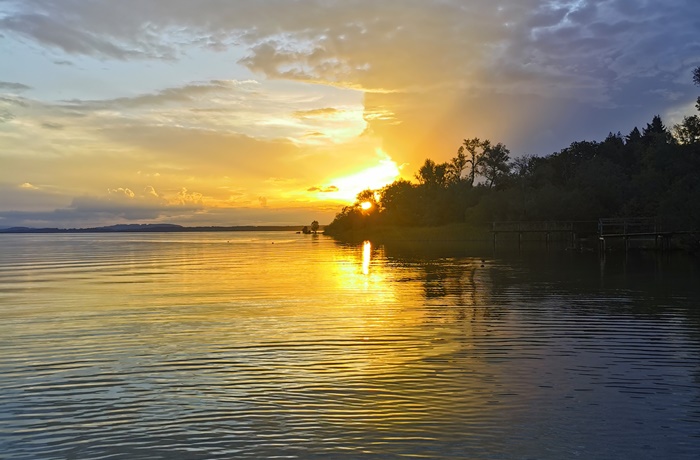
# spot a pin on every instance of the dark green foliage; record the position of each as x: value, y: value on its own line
x: 494, y: 165
x: 656, y: 132
x: 432, y: 175
x: 696, y: 80
x: 688, y: 132
x: 470, y: 154
x: 647, y: 174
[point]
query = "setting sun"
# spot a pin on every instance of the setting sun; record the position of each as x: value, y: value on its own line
x: 366, y: 205
x: 373, y: 178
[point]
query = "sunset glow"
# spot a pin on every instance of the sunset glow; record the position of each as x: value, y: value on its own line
x: 375, y: 177
x: 230, y: 114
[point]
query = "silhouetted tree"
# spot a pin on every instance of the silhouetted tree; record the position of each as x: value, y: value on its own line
x: 648, y: 173
x: 493, y: 164
x: 314, y: 227
x: 399, y: 202
x: 634, y: 136
x: 696, y: 80
x: 432, y: 174
x: 367, y: 196
x: 474, y: 149
x: 456, y: 166
x: 688, y: 131
x: 656, y: 132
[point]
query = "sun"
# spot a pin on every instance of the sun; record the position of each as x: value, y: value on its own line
x: 366, y: 205
x: 374, y: 177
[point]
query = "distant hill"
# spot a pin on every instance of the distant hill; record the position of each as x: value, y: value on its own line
x: 160, y: 228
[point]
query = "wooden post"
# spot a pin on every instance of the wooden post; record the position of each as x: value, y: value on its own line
x: 493, y: 228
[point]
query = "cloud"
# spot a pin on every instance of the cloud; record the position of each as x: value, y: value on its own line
x: 11, y: 86
x: 317, y: 113
x: 183, y: 95
x: 65, y: 34
x: 5, y: 116
x: 329, y: 189
x: 333, y: 81
x: 92, y: 211
x: 55, y: 126
x: 119, y: 204
x: 393, y: 45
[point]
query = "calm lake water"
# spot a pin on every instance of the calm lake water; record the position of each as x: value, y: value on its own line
x: 262, y: 345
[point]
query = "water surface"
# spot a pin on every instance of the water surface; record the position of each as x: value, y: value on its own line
x: 261, y: 345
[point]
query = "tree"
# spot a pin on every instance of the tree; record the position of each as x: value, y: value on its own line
x: 475, y: 149
x: 432, y: 174
x: 493, y: 163
x: 456, y: 166
x: 364, y: 197
x: 633, y: 137
x: 696, y: 80
x: 688, y: 131
x: 656, y: 131
x: 399, y: 202
x: 314, y: 227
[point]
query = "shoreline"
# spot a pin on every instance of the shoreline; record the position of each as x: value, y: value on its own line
x: 153, y: 228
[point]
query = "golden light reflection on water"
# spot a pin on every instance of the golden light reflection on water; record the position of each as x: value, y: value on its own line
x: 291, y: 339
x: 366, y: 257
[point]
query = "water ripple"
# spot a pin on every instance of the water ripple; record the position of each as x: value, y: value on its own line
x: 223, y: 346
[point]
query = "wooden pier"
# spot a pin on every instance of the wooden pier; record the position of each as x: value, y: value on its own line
x: 635, y: 229
x: 647, y: 233
x: 569, y: 232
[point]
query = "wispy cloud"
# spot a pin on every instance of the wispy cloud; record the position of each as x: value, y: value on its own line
x: 12, y: 86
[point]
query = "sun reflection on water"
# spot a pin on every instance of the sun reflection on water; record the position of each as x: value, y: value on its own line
x: 366, y: 257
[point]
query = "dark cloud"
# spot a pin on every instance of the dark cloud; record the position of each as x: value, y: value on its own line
x: 14, y: 100
x: 119, y: 205
x: 11, y: 86
x: 5, y: 116
x: 68, y: 37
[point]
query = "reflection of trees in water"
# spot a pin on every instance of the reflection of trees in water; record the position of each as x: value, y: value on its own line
x: 455, y: 289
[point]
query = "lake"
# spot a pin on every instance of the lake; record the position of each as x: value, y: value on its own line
x: 278, y: 345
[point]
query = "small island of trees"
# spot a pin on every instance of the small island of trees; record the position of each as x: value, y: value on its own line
x: 649, y: 173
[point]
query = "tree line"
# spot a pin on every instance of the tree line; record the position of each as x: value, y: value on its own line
x: 649, y: 173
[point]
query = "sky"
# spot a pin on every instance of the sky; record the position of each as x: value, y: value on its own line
x: 278, y: 112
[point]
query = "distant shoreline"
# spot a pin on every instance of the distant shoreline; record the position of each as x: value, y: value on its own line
x: 155, y: 228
